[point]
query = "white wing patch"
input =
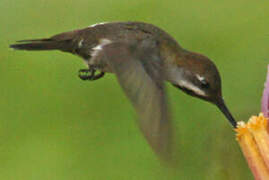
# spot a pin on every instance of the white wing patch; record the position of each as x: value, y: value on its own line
x: 192, y: 87
x: 99, y: 47
x: 93, y: 25
x: 80, y: 43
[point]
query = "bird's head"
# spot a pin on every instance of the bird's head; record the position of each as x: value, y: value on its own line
x: 199, y: 77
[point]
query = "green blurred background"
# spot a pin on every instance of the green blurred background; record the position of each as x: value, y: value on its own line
x: 55, y: 126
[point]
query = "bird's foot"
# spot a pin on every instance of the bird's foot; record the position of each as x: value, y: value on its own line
x: 89, y: 74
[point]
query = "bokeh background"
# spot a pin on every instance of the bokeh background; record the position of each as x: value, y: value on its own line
x: 55, y: 126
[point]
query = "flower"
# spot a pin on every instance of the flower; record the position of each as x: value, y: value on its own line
x: 265, y: 97
x: 253, y: 138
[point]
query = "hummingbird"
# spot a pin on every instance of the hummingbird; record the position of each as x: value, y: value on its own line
x: 143, y: 57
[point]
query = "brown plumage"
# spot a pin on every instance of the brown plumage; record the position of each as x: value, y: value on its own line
x: 143, y: 57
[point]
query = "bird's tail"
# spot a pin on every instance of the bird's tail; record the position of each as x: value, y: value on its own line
x: 43, y: 44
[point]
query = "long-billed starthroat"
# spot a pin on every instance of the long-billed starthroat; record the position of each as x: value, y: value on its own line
x: 143, y: 57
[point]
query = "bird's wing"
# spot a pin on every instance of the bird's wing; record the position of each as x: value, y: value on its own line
x: 139, y: 70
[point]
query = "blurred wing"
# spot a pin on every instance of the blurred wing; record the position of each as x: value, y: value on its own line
x: 139, y: 72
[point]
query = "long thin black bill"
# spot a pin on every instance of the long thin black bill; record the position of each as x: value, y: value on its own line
x: 221, y: 105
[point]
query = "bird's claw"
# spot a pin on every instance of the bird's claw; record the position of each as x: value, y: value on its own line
x: 89, y: 74
x: 85, y: 74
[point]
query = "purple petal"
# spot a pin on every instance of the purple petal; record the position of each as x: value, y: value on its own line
x: 265, y: 97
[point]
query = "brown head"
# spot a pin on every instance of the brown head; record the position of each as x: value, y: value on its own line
x: 199, y: 77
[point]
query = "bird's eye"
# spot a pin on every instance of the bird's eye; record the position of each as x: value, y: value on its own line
x: 204, y: 84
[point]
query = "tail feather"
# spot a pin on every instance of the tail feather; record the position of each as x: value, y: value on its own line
x: 42, y: 44
x: 34, y: 40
